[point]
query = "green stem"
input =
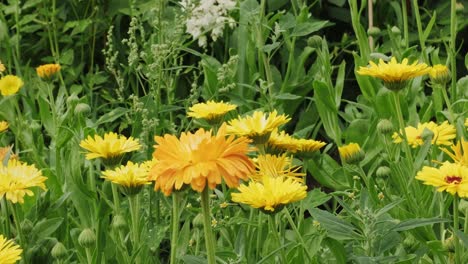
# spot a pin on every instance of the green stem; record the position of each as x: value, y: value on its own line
x: 273, y: 228
x: 455, y: 228
x: 19, y: 231
x: 405, y: 22
x: 422, y: 41
x: 449, y: 106
x: 115, y: 196
x: 259, y: 235
x: 210, y: 246
x: 134, y: 204
x: 370, y: 18
x: 453, y: 51
x: 89, y: 257
x: 442, y: 213
x: 401, y: 123
x: 6, y: 214
x: 299, y: 236
x: 175, y: 226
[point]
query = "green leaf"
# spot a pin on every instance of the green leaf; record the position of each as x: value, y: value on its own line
x: 287, y: 96
x: 413, y: 223
x: 336, y: 227
x: 112, y: 115
x: 307, y: 28
x: 45, y: 228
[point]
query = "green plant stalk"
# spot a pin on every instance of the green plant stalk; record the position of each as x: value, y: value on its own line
x: 19, y: 232
x: 401, y: 124
x: 209, y: 240
x: 298, y: 234
x: 258, y: 245
x: 405, y: 22
x: 175, y: 226
x: 115, y: 196
x: 422, y: 41
x: 290, y: 64
x: 18, y: 32
x: 370, y: 17
x: 6, y: 214
x: 89, y: 256
x: 273, y: 228
x: 453, y: 51
x: 449, y: 106
x: 455, y: 228
x: 134, y: 204
x: 442, y: 213
x: 260, y: 43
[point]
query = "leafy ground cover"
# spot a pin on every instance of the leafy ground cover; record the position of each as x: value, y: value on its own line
x: 224, y: 131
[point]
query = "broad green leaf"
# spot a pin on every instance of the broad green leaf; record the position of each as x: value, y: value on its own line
x: 112, y: 115
x: 46, y: 227
x: 307, y: 28
x: 336, y: 227
x: 414, y: 223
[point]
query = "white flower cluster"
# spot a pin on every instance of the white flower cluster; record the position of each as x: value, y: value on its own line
x: 206, y: 16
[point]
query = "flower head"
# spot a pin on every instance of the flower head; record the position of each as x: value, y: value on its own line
x: 271, y: 194
x: 9, y: 252
x: 351, y: 153
x: 443, y: 134
x: 394, y: 74
x: 450, y: 177
x: 285, y: 142
x: 275, y: 166
x: 112, y: 146
x: 211, y: 110
x: 459, y: 152
x: 16, y: 179
x: 46, y: 71
x: 200, y: 159
x: 3, y: 126
x: 131, y: 177
x: 10, y: 84
x: 258, y: 127
x: 439, y: 74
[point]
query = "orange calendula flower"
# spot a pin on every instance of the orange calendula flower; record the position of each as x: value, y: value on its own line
x: 200, y: 159
x: 10, y: 84
x: 450, y: 177
x: 394, y: 74
x: 10, y: 253
x: 47, y: 70
x: 443, y: 134
x: 17, y: 179
x: 3, y: 126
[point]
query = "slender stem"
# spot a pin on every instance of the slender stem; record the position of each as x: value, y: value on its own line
x: 6, y: 214
x: 273, y: 228
x: 89, y: 257
x: 134, y: 204
x: 405, y: 22
x: 422, y: 41
x: 175, y: 226
x: 401, y: 123
x: 115, y: 196
x: 456, y: 228
x: 449, y: 105
x: 298, y: 234
x: 370, y: 18
x: 453, y: 49
x: 442, y: 213
x: 18, y: 230
x: 210, y: 246
x: 259, y: 235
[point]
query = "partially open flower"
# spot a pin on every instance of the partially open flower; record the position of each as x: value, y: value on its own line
x: 47, y: 70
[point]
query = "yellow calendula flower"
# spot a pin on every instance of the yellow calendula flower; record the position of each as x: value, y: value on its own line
x: 111, y: 147
x: 131, y: 177
x: 10, y: 253
x: 211, y: 111
x: 3, y: 126
x: 271, y: 194
x: 276, y: 166
x: 450, y: 177
x: 10, y: 84
x: 17, y: 179
x: 459, y: 153
x: 2, y: 67
x: 47, y: 70
x: 302, y: 147
x: 200, y: 159
x: 351, y: 153
x: 394, y: 74
x: 258, y: 127
x: 443, y: 134
x: 439, y: 74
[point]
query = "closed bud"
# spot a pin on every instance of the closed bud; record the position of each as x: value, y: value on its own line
x: 119, y: 222
x: 439, y: 74
x: 459, y: 7
x: 72, y: 99
x: 449, y: 244
x: 373, y: 31
x: 198, y: 220
x: 396, y: 31
x: 385, y: 127
x: 383, y: 172
x: 315, y: 41
x: 82, y: 108
x: 427, y: 134
x: 87, y: 238
x: 59, y: 251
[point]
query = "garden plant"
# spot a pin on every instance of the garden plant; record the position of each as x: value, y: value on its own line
x: 233, y: 131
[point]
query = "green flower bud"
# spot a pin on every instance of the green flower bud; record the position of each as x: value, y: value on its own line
x: 385, y: 126
x: 119, y: 222
x: 396, y: 31
x: 59, y: 251
x: 315, y: 41
x: 427, y: 134
x: 198, y: 220
x: 72, y: 99
x: 373, y: 31
x: 449, y: 244
x: 459, y: 7
x: 82, y: 108
x: 87, y: 238
x: 383, y: 172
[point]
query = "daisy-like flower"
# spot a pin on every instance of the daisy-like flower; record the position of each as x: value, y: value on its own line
x: 394, y: 74
x: 10, y: 84
x: 351, y: 153
x: 3, y: 126
x: 47, y: 70
x: 439, y: 74
x: 200, y: 159
x: 111, y: 148
x: 459, y: 152
x: 271, y: 194
x: 9, y: 252
x: 300, y: 146
x: 450, y: 177
x: 131, y: 177
x: 257, y: 127
x: 443, y: 134
x: 17, y: 179
x: 276, y: 166
x: 211, y: 111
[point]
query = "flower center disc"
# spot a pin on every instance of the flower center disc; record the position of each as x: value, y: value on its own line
x: 453, y: 179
